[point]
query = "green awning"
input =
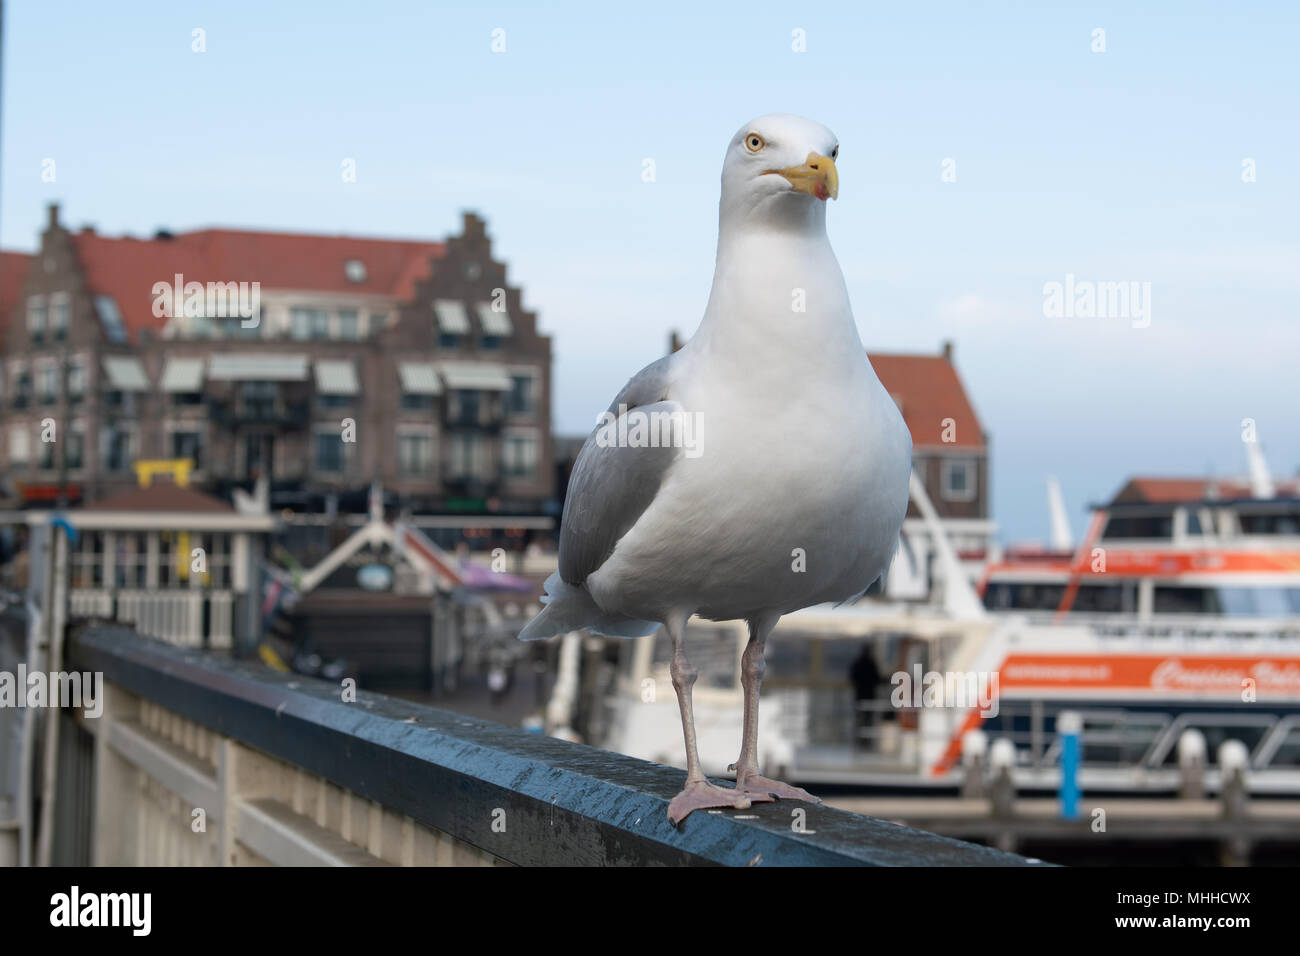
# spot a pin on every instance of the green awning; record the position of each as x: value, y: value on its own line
x: 419, y: 378
x: 258, y: 368
x: 452, y: 317
x: 334, y: 377
x: 494, y: 322
x: 183, y: 375
x: 476, y: 375
x: 125, y: 374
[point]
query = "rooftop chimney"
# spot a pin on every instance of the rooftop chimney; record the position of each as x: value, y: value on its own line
x: 472, y: 225
x: 947, y: 349
x: 54, y: 214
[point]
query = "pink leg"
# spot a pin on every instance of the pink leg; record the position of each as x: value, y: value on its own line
x: 748, y: 780
x: 698, y: 794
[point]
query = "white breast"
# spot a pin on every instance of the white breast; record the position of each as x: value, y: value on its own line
x: 801, y: 483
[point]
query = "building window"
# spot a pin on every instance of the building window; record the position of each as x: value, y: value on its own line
x: 36, y: 319
x: 448, y: 340
x: 258, y: 399
x: 59, y: 309
x: 377, y: 321
x: 320, y: 324
x: 76, y: 381
x: 233, y: 327
x: 188, y: 444
x: 349, y: 324
x: 49, y: 384
x: 469, y: 457
x: 76, y: 451
x: 415, y: 455
x: 519, y: 456
x: 491, y: 342
x: 20, y: 446
x: 467, y: 406
x: 186, y: 399
x: 958, y: 479
x: 118, y: 448
x: 22, y: 388
x: 329, y: 452
x: 307, y: 324
x: 413, y: 402
x: 333, y: 401
x: 47, y: 455
x: 520, y: 400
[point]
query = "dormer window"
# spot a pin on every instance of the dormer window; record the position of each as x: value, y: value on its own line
x: 354, y: 270
x: 473, y: 270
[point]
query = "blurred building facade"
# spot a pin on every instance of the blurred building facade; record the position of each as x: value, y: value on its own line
x: 950, y: 454
x: 318, y: 362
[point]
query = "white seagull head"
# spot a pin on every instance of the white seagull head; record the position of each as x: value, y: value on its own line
x: 780, y: 170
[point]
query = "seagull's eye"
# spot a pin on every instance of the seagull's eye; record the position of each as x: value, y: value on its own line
x: 835, y: 153
x: 754, y: 142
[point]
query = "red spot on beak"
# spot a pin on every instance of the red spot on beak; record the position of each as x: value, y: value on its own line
x: 821, y: 192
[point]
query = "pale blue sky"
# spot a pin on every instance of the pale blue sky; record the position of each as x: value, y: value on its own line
x: 1124, y: 165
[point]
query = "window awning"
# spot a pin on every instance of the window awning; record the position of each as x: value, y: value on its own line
x: 125, y: 374
x: 183, y: 375
x: 480, y: 375
x: 419, y: 378
x: 336, y: 378
x: 493, y: 322
x: 258, y: 368
x: 452, y: 317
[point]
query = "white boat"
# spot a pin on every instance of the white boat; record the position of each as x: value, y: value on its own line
x: 1179, y: 611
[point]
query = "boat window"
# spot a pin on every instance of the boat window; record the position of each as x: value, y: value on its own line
x: 1145, y: 526
x: 1286, y: 521
x: 1230, y: 602
x: 1187, y: 600
x: 1193, y: 523
x: 1106, y: 598
x: 1022, y: 596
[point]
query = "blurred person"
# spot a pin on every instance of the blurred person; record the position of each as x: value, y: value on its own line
x: 866, y: 684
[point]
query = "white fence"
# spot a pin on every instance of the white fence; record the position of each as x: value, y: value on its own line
x: 172, y: 616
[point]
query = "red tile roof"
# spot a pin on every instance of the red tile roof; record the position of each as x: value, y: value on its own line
x: 13, y: 273
x: 1182, y: 490
x: 928, y: 390
x: 163, y: 497
x: 127, y: 269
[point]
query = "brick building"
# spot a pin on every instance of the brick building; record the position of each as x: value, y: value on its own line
x: 319, y: 362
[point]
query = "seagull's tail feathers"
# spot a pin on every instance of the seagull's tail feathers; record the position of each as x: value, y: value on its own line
x: 570, y: 608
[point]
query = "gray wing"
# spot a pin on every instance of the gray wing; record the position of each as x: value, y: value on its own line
x: 612, y: 485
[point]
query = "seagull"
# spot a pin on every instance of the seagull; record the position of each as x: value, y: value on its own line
x: 760, y: 469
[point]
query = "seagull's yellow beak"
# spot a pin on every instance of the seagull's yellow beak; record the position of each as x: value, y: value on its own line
x: 816, y: 177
